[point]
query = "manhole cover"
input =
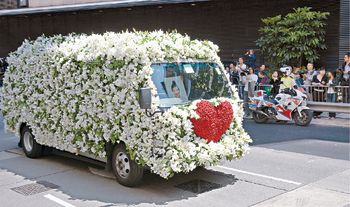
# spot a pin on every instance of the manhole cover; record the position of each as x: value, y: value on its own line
x: 34, y: 188
x: 198, y: 186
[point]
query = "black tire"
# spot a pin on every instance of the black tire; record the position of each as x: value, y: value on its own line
x: 127, y: 171
x: 259, y: 118
x: 304, y: 119
x: 30, y: 147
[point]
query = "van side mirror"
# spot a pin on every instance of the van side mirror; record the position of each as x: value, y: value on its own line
x: 145, y: 98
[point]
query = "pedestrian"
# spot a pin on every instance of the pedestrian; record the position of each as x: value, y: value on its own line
x: 250, y: 58
x: 346, y: 65
x: 295, y: 72
x: 310, y: 73
x: 338, y: 75
x: 234, y: 74
x: 227, y: 70
x: 338, y: 78
x: 263, y: 80
x: 242, y: 80
x: 299, y: 79
x: 249, y: 83
x: 319, y: 83
x: 263, y: 68
x: 331, y: 92
x: 275, y: 82
x: 346, y: 77
x: 241, y: 67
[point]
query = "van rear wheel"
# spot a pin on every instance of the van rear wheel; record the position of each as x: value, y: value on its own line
x: 30, y: 147
x: 126, y: 170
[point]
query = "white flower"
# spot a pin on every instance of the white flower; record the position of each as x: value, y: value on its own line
x: 78, y: 92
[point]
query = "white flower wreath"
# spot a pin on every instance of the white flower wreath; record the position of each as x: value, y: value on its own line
x: 78, y: 92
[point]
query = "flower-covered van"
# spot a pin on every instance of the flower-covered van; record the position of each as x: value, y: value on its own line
x: 82, y: 94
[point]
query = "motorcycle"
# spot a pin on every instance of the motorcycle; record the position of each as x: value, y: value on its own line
x: 288, y: 105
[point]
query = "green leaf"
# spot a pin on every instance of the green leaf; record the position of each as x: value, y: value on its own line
x: 286, y: 39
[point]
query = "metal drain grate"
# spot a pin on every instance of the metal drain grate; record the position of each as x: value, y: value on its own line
x: 34, y: 188
x: 198, y: 186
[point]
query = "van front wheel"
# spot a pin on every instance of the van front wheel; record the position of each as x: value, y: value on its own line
x: 126, y: 170
x: 30, y: 147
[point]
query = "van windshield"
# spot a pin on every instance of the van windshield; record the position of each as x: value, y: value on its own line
x: 180, y: 83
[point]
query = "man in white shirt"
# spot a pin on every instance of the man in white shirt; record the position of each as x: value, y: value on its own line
x: 249, y: 85
x: 346, y: 66
x: 241, y: 67
x: 346, y: 76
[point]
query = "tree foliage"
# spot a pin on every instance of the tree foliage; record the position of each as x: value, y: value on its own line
x: 295, y: 37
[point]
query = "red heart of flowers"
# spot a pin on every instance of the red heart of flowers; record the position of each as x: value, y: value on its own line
x: 213, y: 121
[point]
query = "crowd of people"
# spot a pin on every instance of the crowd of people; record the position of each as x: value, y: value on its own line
x: 323, y: 84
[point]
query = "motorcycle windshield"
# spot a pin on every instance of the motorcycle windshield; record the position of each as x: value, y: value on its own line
x: 180, y: 83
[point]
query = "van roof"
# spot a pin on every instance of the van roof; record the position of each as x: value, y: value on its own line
x: 156, y: 46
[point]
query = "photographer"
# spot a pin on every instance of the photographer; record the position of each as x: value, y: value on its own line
x: 250, y: 58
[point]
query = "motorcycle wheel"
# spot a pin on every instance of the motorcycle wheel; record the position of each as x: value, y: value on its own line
x: 259, y: 118
x: 304, y: 119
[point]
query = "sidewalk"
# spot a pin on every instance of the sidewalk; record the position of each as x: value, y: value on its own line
x: 342, y: 119
x: 333, y: 191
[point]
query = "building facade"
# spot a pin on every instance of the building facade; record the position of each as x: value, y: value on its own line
x: 8, y: 4
x: 231, y: 24
x: 46, y: 3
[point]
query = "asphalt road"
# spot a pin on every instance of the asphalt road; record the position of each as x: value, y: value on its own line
x: 285, y: 160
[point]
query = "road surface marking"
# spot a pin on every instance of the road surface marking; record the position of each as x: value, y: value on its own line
x: 59, y: 201
x: 258, y: 175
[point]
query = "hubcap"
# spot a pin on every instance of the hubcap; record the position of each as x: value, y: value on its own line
x: 123, y: 165
x: 303, y: 116
x: 28, y: 141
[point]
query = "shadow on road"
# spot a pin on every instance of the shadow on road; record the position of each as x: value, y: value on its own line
x: 74, y: 179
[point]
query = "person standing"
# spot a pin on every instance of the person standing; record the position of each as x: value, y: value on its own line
x: 299, y: 79
x: 234, y: 74
x: 318, y: 91
x: 310, y: 73
x: 275, y: 82
x: 346, y: 65
x: 331, y: 92
x: 346, y: 78
x: 262, y: 78
x: 263, y: 68
x: 251, y: 58
x: 249, y: 84
x: 242, y: 69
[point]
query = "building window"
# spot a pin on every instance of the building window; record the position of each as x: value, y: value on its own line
x: 22, y: 3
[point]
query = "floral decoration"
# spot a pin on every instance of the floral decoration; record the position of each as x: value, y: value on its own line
x: 213, y: 121
x: 78, y: 92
